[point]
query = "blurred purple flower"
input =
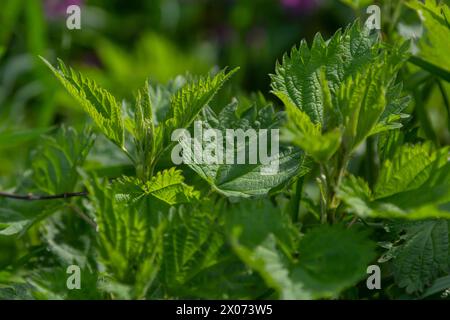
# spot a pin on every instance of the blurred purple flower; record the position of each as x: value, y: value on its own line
x: 223, y: 34
x: 256, y: 38
x: 57, y: 8
x: 299, y: 6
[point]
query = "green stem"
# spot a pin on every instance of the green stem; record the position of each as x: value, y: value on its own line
x: 342, y: 165
x: 297, y: 198
x: 355, y: 218
x: 323, y: 186
x: 128, y: 155
x: 329, y: 182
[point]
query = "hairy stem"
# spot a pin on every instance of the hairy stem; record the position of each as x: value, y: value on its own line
x: 127, y: 153
x: 323, y: 186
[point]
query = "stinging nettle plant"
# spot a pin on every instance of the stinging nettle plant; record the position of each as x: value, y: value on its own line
x: 224, y: 230
x: 337, y: 94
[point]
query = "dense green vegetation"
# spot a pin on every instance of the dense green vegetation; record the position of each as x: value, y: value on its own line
x: 87, y: 178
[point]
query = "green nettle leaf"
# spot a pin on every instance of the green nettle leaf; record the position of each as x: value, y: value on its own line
x: 434, y: 45
x: 161, y: 110
x: 439, y: 285
x: 57, y: 159
x: 143, y: 131
x: 16, y: 218
x: 256, y: 231
x: 167, y: 186
x: 160, y: 96
x: 12, y: 222
x: 299, y: 79
x: 128, y: 245
x: 191, y: 245
x: 230, y: 275
x: 396, y: 103
x: 409, y: 168
x: 253, y: 221
x: 247, y: 179
x: 324, y: 268
x: 421, y: 255
x: 101, y: 106
x: 435, y: 191
x: 55, y: 165
x: 51, y: 284
x: 362, y: 100
x: 302, y: 74
x: 66, y: 250
x: 388, y: 144
x: 343, y: 85
x: 186, y: 104
x: 307, y: 135
x: 273, y: 267
x: 411, y: 185
x: 187, y: 99
x: 356, y: 194
x: 314, y: 268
